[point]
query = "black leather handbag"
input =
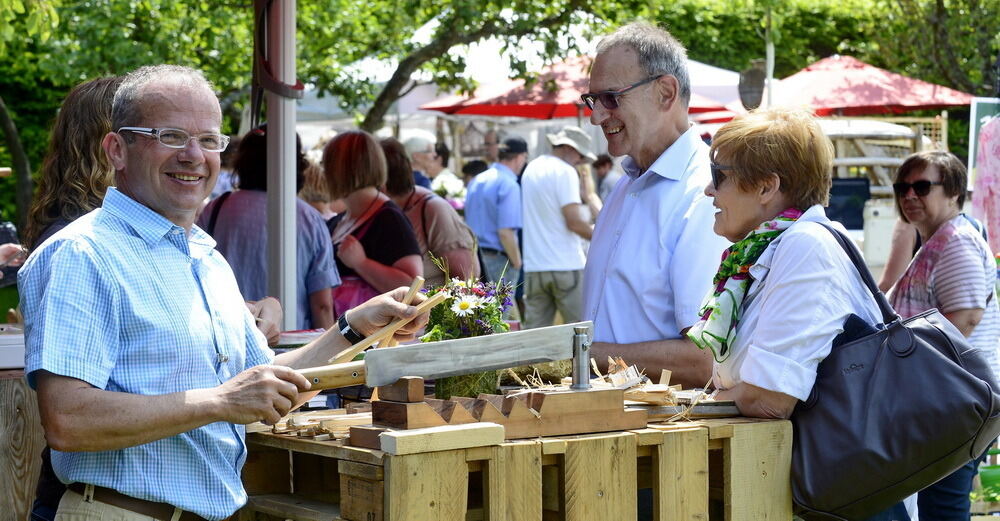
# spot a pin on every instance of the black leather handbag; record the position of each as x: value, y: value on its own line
x: 895, y: 408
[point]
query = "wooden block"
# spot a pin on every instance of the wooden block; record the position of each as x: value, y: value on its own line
x: 600, y: 477
x: 680, y: 480
x: 366, y: 436
x: 362, y: 499
x: 430, y: 485
x: 553, y: 446
x: 645, y: 437
x: 359, y: 407
x: 665, y: 377
x: 454, y: 413
x: 449, y: 437
x: 757, y: 469
x: 488, y: 411
x: 401, y: 415
x: 409, y: 389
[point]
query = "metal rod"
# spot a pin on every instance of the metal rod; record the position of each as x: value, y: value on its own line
x: 581, y: 359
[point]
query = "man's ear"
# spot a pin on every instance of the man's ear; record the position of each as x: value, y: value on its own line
x: 114, y: 147
x: 668, y: 91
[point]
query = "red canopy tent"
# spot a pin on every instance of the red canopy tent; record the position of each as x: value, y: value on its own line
x: 556, y: 94
x: 846, y: 86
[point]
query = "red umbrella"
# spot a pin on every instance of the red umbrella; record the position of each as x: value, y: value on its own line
x: 846, y: 86
x: 556, y: 94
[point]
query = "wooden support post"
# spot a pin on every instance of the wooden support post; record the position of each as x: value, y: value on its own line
x: 432, y: 485
x: 757, y: 462
x: 600, y: 477
x: 680, y: 476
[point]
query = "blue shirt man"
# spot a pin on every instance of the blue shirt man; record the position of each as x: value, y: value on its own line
x: 493, y: 211
x: 144, y: 357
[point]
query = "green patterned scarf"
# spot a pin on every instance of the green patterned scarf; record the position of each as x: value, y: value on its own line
x: 721, y: 313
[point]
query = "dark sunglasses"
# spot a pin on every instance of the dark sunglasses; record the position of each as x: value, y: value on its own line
x: 921, y: 188
x: 717, y: 176
x: 609, y: 98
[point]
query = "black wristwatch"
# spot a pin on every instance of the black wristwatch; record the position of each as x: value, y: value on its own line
x: 349, y: 333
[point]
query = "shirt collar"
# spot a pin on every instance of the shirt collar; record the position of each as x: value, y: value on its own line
x: 148, y: 225
x: 759, y: 269
x: 680, y: 152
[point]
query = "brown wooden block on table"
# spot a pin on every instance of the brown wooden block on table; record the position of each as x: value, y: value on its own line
x: 366, y: 436
x: 401, y: 415
x: 409, y: 389
x: 358, y: 407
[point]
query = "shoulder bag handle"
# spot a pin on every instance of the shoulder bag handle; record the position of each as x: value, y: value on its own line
x: 889, y: 315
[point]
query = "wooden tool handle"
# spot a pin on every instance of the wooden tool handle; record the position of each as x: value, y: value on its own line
x: 335, y: 376
x: 389, y: 330
x: 418, y: 283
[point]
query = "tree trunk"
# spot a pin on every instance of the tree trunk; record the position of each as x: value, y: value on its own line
x: 22, y: 169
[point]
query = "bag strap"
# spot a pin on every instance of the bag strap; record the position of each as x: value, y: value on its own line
x: 215, y: 213
x: 888, y: 314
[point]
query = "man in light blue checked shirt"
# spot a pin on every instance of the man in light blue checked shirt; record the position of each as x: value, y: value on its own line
x: 146, y: 361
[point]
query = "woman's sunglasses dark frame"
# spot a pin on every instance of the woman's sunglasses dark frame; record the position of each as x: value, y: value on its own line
x: 717, y: 176
x: 921, y: 188
x: 609, y: 98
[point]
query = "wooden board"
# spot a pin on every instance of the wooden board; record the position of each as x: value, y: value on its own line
x: 21, y: 442
x: 431, y: 486
x: 757, y: 463
x: 605, y: 491
x: 402, y: 415
x: 518, y: 481
x: 447, y: 437
x: 286, y: 506
x: 680, y: 483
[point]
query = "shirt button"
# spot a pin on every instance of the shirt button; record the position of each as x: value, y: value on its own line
x: 634, y: 195
x: 223, y: 358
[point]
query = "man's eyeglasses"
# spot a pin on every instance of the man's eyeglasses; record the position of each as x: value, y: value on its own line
x: 609, y: 98
x: 177, y: 138
x: 717, y: 176
x: 921, y: 188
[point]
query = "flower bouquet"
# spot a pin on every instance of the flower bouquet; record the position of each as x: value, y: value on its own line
x: 471, y: 309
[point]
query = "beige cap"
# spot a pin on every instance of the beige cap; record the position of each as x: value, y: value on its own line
x: 574, y: 137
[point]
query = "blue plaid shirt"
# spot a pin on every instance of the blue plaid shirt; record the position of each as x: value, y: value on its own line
x: 127, y: 301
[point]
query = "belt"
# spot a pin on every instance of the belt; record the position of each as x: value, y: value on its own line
x: 162, y: 511
x: 493, y: 251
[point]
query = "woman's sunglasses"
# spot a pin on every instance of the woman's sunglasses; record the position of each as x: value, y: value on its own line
x: 921, y: 188
x: 717, y: 176
x: 609, y: 98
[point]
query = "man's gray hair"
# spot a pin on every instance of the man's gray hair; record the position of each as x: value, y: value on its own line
x: 126, y: 110
x: 417, y: 144
x: 658, y: 52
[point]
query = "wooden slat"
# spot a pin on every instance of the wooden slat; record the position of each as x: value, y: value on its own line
x: 285, y: 506
x: 429, y: 486
x: 520, y: 481
x: 757, y: 468
x: 680, y: 480
x: 447, y: 437
x: 21, y: 442
x: 335, y: 449
x: 600, y: 477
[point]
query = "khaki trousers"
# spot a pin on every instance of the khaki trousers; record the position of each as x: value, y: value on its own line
x: 74, y: 507
x: 548, y: 291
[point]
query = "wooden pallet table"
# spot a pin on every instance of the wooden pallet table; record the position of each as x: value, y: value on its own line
x: 21, y: 443
x: 731, y: 469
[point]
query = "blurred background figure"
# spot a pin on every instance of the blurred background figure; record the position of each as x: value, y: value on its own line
x: 375, y: 246
x: 315, y: 192
x: 953, y: 271
x: 440, y: 231
x: 226, y: 183
x: 420, y: 149
x: 76, y: 173
x: 491, y: 140
x: 238, y: 223
x: 443, y: 181
x: 473, y: 168
x: 606, y: 174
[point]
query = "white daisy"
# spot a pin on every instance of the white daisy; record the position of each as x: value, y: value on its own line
x: 466, y: 305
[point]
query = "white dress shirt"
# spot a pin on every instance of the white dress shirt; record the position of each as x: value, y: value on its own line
x: 653, y: 254
x: 804, y: 288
